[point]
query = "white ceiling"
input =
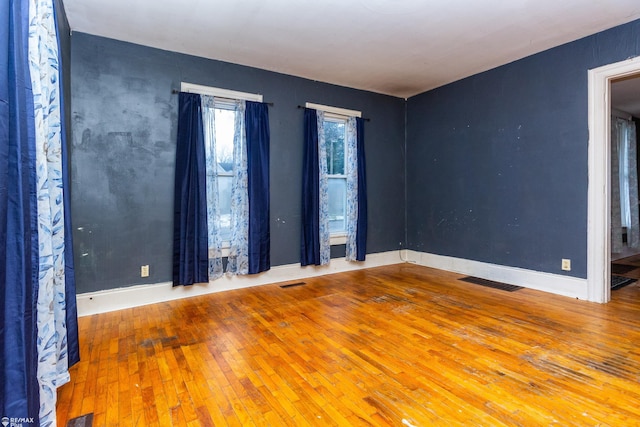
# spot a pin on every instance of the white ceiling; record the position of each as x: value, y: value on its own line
x: 395, y: 47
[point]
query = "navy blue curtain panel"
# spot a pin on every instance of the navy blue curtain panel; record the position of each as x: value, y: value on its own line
x: 19, y: 393
x: 73, y: 346
x: 257, y: 132
x: 361, y: 233
x: 190, y: 243
x: 310, y: 238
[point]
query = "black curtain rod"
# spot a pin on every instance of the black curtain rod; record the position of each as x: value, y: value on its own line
x: 176, y: 91
x: 363, y: 118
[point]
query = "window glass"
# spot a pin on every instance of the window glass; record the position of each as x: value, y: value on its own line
x: 334, y: 136
x: 337, y: 190
x: 225, y: 126
x: 334, y: 140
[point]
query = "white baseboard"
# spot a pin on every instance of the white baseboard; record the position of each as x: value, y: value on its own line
x: 134, y: 296
x: 547, y: 282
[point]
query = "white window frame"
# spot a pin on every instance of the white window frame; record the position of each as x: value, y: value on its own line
x: 219, y: 92
x: 339, y: 237
x: 221, y: 104
x: 334, y: 110
x: 341, y: 114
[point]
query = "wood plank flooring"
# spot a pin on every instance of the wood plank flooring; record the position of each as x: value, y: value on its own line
x: 399, y: 345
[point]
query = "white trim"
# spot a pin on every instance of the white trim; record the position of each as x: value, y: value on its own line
x: 547, y: 282
x: 599, y: 202
x: 338, y: 239
x: 334, y: 110
x: 335, y: 118
x: 134, y: 296
x: 218, y: 92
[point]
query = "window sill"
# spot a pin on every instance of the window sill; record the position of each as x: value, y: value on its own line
x: 338, y: 239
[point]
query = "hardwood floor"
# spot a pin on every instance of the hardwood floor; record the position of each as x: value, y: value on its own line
x: 400, y: 345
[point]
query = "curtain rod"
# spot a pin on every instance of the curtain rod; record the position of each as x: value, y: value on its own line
x: 366, y: 119
x: 176, y: 91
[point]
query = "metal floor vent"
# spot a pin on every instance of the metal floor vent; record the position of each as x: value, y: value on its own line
x: 618, y: 282
x: 82, y: 421
x: 491, y: 284
x: 291, y: 285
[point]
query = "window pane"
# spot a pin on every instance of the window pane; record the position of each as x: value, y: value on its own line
x: 334, y: 140
x: 225, y: 127
x: 224, y: 201
x: 337, y: 204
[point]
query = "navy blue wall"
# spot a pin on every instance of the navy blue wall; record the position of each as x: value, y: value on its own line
x: 497, y: 162
x: 123, y: 153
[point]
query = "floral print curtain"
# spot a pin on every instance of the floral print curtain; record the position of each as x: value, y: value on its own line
x: 624, y: 185
x: 324, y: 233
x: 352, y: 189
x: 213, y: 210
x: 238, y: 260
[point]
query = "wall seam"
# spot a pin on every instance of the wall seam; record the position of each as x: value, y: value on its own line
x: 406, y: 183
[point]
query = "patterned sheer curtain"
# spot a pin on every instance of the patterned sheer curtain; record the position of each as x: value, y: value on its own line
x: 238, y: 260
x: 352, y: 189
x: 624, y: 185
x: 214, y: 242
x: 323, y: 194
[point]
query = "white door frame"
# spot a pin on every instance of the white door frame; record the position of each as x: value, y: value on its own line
x: 599, y: 201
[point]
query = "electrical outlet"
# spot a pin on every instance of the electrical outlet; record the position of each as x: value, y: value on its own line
x: 144, y: 271
x: 566, y: 264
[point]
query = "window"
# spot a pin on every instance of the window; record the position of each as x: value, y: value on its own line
x: 227, y: 116
x: 334, y: 203
x: 209, y: 216
x: 225, y: 122
x: 334, y: 133
x: 335, y: 130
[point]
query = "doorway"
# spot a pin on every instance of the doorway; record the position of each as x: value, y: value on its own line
x: 599, y: 200
x: 625, y: 215
x: 625, y: 110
